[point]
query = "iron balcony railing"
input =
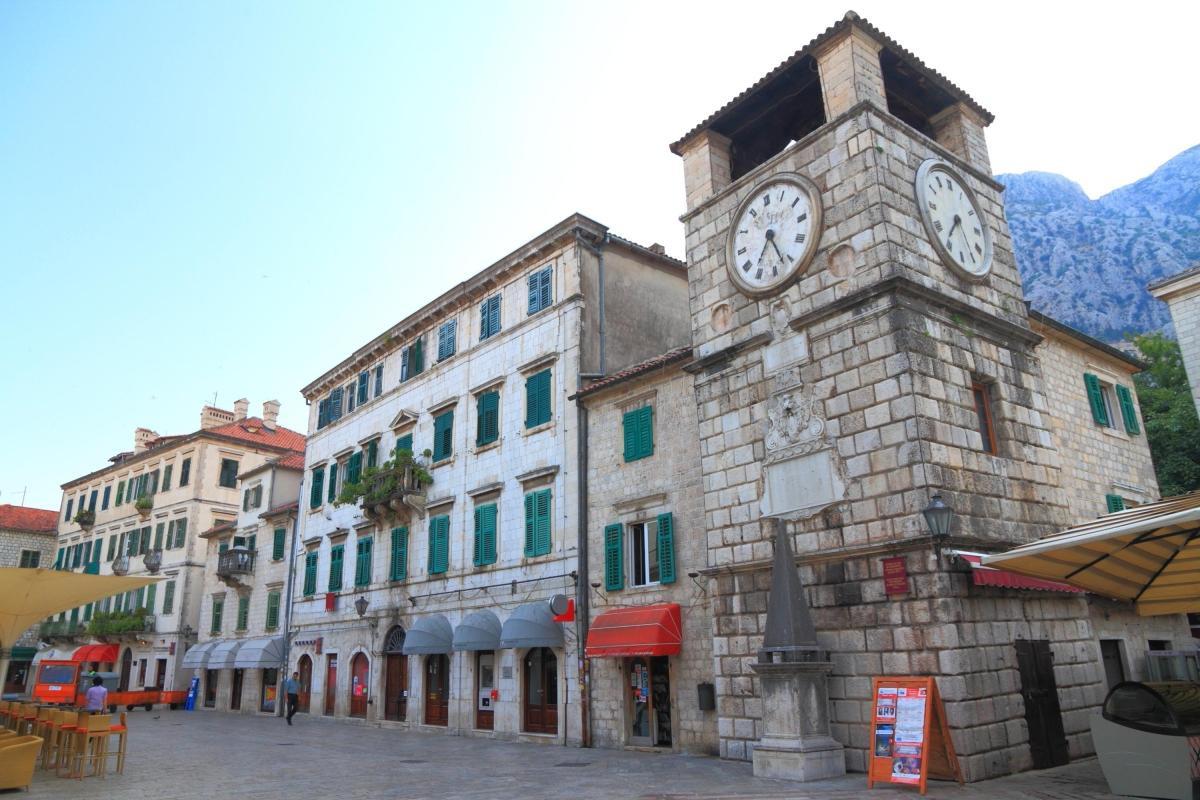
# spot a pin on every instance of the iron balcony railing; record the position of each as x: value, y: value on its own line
x: 235, y: 561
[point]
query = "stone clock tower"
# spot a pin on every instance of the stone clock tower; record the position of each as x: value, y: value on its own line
x: 854, y: 299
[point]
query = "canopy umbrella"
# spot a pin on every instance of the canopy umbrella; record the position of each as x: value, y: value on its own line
x: 1148, y: 555
x: 28, y: 596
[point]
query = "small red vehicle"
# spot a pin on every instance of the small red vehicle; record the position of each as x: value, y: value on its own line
x: 66, y: 683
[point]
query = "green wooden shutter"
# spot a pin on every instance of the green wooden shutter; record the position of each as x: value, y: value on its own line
x: 439, y: 544
x: 1128, y: 410
x: 272, y: 611
x: 310, y: 574
x: 318, y: 481
x: 399, y: 554
x: 646, y: 431
x: 1115, y: 502
x: 372, y: 454
x: 166, y: 484
x: 542, y: 526
x: 487, y: 428
x: 331, y: 495
x: 354, y: 467
x: 158, y: 535
x: 534, y: 294
x: 443, y: 435
x: 666, y: 548
x: 168, y: 597
x: 243, y: 617
x: 278, y: 544
x: 180, y: 531
x: 614, y: 557
x: 217, y: 608
x: 362, y: 562
x: 478, y: 550
x: 120, y: 492
x: 336, y: 567
x: 530, y: 523
x: 537, y: 399
x: 416, y: 359
x: 485, y: 534
x: 1095, y: 398
x: 404, y: 442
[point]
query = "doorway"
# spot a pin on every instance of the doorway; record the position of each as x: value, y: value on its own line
x: 359, y: 672
x: 541, y: 690
x: 211, y: 678
x: 1114, y: 665
x: 126, y: 669
x: 160, y: 674
x: 649, y: 704
x: 330, y: 684
x: 1043, y: 716
x: 235, y: 695
x: 485, y: 682
x: 305, y: 693
x: 437, y: 690
x: 395, y: 683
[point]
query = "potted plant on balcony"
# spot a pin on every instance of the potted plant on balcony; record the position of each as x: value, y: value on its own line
x: 85, y: 519
x: 143, y: 505
x: 387, y: 485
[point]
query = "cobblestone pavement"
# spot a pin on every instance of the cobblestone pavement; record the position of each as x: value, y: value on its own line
x: 217, y: 756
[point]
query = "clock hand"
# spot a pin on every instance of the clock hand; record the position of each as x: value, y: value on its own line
x: 777, y: 250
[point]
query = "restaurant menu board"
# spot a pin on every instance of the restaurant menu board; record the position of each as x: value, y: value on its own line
x: 910, y: 741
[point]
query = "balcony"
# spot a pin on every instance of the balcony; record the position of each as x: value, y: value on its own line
x: 61, y: 629
x: 397, y: 491
x: 236, y: 565
x: 121, y: 624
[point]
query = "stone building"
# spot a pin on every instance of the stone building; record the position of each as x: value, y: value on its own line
x: 27, y: 539
x: 422, y: 599
x: 856, y: 310
x: 242, y: 608
x: 649, y: 642
x: 142, y: 514
x: 1181, y: 293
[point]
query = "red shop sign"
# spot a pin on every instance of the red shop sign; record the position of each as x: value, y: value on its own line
x: 895, y: 576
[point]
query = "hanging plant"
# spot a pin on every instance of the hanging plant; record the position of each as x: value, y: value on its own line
x: 402, y: 474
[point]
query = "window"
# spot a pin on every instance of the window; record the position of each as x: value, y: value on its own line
x: 1128, y: 410
x: 350, y: 396
x: 540, y: 295
x: 331, y: 495
x: 145, y: 541
x: 439, y: 544
x: 354, y: 467
x: 651, y: 551
x: 310, y: 574
x: 112, y: 548
x: 95, y: 495
x: 166, y: 481
x: 638, y: 430
x: 373, y: 454
x: 337, y: 555
x: 378, y: 380
x: 70, y: 504
x: 1114, y: 502
x: 443, y: 435
x: 364, y: 386
x: 537, y: 523
x: 399, y: 554
x: 412, y: 360
x: 180, y: 531
x: 277, y: 545
x: 153, y: 482
x: 243, y: 617
x: 537, y: 399
x: 318, y: 487
x: 447, y: 333
x: 168, y: 597
x: 120, y: 492
x: 159, y: 529
x: 1100, y: 400
x: 404, y: 442
x: 229, y: 471
x: 485, y: 534
x: 487, y: 418
x: 185, y: 472
x: 107, y: 497
x: 272, y: 611
x: 30, y: 558
x: 982, y: 394
x: 362, y: 561
x: 489, y: 317
x: 218, y: 608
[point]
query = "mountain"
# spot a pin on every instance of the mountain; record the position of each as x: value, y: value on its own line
x: 1087, y: 262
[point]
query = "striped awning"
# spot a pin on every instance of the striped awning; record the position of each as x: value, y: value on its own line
x: 1003, y: 579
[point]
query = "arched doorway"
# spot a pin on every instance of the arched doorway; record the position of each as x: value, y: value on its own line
x: 305, y: 670
x: 437, y: 689
x: 395, y: 688
x: 359, y: 671
x: 330, y: 683
x: 540, y: 669
x: 126, y: 669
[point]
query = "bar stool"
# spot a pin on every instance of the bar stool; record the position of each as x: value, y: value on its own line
x: 63, y: 721
x: 68, y: 730
x: 121, y: 731
x: 4, y: 704
x: 50, y: 745
x: 29, y: 718
x: 11, y: 715
x: 91, y: 735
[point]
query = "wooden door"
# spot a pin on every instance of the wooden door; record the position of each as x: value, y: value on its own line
x: 437, y: 690
x: 485, y: 682
x: 1114, y: 666
x: 235, y: 697
x: 1047, y: 740
x: 305, y: 693
x: 541, y: 691
x: 160, y: 677
x: 211, y: 677
x: 126, y: 669
x: 395, y: 705
x: 359, y: 671
x: 330, y: 683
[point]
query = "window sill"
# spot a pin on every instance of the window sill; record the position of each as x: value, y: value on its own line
x: 445, y: 462
x: 483, y: 448
x: 1114, y: 432
x: 538, y: 428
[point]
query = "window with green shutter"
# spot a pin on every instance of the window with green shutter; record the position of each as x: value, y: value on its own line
x: 151, y: 592
x: 364, y: 386
x: 1115, y: 502
x: 540, y: 292
x: 447, y: 336
x: 272, y: 611
x: 485, y: 534
x: 218, y: 608
x: 87, y: 612
x: 443, y: 435
x: 169, y: 598
x: 1096, y: 399
x: 229, y: 471
x: 614, y: 557
x: 145, y: 541
x: 638, y: 433
x: 404, y: 442
x: 537, y: 523
x: 337, y: 555
x: 277, y: 546
x: 354, y: 467
x: 140, y: 598
x: 107, y: 497
x: 185, y: 472
x: 310, y: 574
x: 372, y: 454
x: 666, y: 548
x: 537, y: 399
x: 399, y: 554
x: 318, y: 488
x: 1128, y: 410
x: 159, y: 529
x: 439, y: 544
x: 180, y: 532
x: 487, y: 424
x: 166, y: 483
x: 489, y: 317
x: 243, y: 614
x: 412, y: 360
x: 333, y: 471
x: 362, y: 561
x: 120, y: 492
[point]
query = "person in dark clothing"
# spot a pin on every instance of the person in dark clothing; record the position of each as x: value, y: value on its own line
x: 292, y: 688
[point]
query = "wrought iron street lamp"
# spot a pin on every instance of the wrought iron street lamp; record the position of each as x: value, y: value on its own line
x: 938, y: 517
x: 360, y: 605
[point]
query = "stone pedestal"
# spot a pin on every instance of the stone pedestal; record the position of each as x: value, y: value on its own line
x: 796, y: 744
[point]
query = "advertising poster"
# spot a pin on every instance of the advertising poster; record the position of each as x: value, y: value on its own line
x: 883, y: 741
x: 885, y: 708
x: 910, y: 740
x: 910, y: 719
x: 906, y: 763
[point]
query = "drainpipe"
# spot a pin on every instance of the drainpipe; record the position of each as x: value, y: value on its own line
x: 287, y: 615
x: 581, y: 586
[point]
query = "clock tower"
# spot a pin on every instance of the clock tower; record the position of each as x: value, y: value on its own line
x: 855, y: 308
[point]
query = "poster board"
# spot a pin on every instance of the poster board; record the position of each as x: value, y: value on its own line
x: 910, y: 740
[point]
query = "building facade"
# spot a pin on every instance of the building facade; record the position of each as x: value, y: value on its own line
x: 27, y: 539
x: 1181, y: 293
x: 423, y: 600
x: 142, y: 515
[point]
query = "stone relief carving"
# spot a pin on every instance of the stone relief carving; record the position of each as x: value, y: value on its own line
x: 795, y: 422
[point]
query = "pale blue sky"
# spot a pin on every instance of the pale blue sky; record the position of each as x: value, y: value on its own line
x: 229, y: 197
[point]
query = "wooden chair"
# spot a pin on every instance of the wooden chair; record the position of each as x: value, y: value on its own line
x: 50, y: 747
x: 88, y: 744
x: 18, y: 756
x: 68, y: 730
x: 11, y: 715
x: 121, y: 731
x: 4, y: 704
x: 29, y: 715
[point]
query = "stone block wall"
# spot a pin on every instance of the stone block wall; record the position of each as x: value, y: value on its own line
x: 11, y: 545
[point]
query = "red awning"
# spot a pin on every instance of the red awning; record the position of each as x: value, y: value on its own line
x: 990, y: 576
x: 638, y: 631
x: 105, y: 653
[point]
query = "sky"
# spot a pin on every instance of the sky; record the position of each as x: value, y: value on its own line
x: 224, y: 199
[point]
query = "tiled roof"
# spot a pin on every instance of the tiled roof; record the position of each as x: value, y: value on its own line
x: 283, y: 509
x: 22, y: 518
x: 291, y: 461
x: 252, y: 430
x: 649, y: 365
x: 1187, y: 273
x: 224, y: 526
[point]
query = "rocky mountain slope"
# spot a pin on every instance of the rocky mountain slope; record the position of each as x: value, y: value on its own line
x: 1087, y: 262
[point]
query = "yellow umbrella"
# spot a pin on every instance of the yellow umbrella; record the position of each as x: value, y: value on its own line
x: 1148, y: 555
x: 28, y: 596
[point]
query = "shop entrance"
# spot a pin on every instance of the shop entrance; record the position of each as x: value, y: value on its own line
x: 395, y: 683
x: 359, y: 671
x: 235, y: 697
x: 541, y: 690
x: 1047, y: 740
x: 437, y: 690
x: 330, y: 683
x: 160, y: 674
x: 485, y: 680
x: 305, y: 693
x: 649, y: 705
x: 211, y: 676
x: 126, y: 669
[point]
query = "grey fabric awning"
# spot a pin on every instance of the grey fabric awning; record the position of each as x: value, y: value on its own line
x: 429, y: 635
x: 222, y: 655
x: 197, y: 654
x: 478, y: 631
x: 531, y: 625
x: 263, y: 653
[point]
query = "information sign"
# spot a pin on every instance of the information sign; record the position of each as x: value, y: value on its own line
x: 910, y: 741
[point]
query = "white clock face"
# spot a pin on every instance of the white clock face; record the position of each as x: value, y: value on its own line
x: 953, y: 220
x: 774, y: 235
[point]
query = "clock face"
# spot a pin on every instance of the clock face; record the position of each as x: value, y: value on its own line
x: 774, y: 235
x: 953, y: 220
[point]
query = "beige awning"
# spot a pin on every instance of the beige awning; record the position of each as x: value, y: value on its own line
x: 1148, y: 555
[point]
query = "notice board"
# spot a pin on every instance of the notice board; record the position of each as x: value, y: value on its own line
x: 910, y: 741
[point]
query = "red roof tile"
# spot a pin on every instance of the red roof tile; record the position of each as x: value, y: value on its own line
x: 21, y: 518
x: 283, y: 509
x: 252, y: 430
x: 649, y: 365
x: 291, y: 461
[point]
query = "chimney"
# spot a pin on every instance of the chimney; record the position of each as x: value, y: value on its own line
x: 657, y: 248
x: 240, y: 407
x: 270, y: 415
x: 142, y: 438
x: 212, y: 417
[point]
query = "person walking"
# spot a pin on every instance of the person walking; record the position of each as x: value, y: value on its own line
x: 291, y: 687
x: 97, y: 695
